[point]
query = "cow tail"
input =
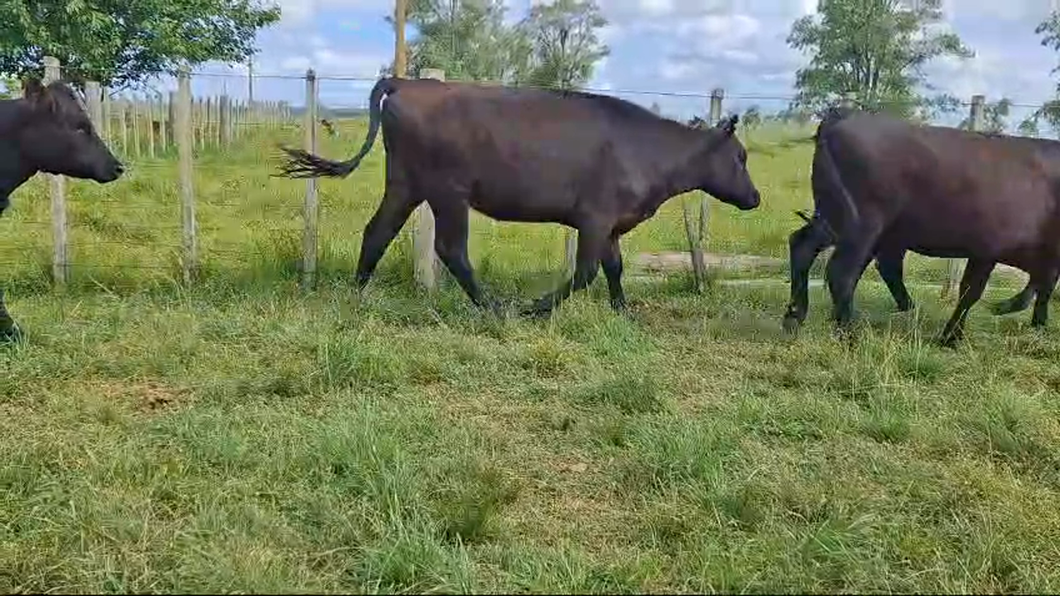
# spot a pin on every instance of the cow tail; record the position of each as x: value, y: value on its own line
x: 850, y: 209
x: 303, y: 164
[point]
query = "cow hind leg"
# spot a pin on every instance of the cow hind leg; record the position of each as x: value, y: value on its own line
x: 591, y: 246
x: 612, y: 266
x: 973, y: 282
x: 9, y: 331
x: 1044, y: 287
x: 844, y: 270
x: 889, y: 265
x: 393, y: 211
x: 450, y: 242
x: 804, y: 245
x: 1017, y: 303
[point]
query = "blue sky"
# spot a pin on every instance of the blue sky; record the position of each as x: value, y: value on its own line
x: 669, y: 46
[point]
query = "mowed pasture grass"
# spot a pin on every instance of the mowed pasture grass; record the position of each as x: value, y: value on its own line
x: 241, y: 436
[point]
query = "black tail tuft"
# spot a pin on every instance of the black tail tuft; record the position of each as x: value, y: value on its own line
x: 303, y: 164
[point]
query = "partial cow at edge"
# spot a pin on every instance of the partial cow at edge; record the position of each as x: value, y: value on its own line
x: 47, y: 130
x: 883, y: 186
x: 596, y: 163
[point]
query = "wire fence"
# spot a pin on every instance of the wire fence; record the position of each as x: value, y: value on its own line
x: 197, y: 199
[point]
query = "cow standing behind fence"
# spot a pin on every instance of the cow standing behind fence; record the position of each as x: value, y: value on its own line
x: 595, y: 163
x: 883, y: 186
x: 47, y: 130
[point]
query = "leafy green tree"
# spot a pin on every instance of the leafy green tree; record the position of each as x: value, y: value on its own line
x: 122, y: 42
x: 876, y: 50
x: 468, y: 39
x: 1049, y: 29
x: 561, y: 44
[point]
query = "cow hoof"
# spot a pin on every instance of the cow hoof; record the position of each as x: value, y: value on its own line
x: 11, y: 335
x: 1002, y: 308
x: 950, y: 341
x: 538, y: 310
x: 791, y: 324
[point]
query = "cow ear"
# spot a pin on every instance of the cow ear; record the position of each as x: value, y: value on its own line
x: 37, y: 93
x: 728, y: 125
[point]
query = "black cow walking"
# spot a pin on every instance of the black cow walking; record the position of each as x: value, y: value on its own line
x: 48, y: 131
x: 596, y: 163
x: 808, y: 241
x: 883, y: 186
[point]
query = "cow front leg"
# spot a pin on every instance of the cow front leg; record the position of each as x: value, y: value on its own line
x: 973, y: 282
x: 587, y: 263
x: 9, y: 331
x: 450, y: 242
x: 804, y: 245
x: 612, y: 266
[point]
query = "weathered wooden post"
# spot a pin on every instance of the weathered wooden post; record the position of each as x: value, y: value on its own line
x: 224, y: 120
x: 52, y: 72
x: 954, y: 266
x: 697, y: 232
x: 311, y: 211
x: 94, y: 102
x: 187, y: 191
x: 426, y: 264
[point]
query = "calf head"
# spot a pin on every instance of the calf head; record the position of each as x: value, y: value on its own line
x: 722, y: 167
x: 57, y: 136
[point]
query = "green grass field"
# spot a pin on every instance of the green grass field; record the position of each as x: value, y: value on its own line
x: 240, y: 436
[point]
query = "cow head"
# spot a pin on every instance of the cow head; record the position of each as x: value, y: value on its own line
x: 57, y: 136
x: 723, y: 168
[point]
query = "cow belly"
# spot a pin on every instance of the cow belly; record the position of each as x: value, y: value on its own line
x: 958, y: 236
x: 511, y: 201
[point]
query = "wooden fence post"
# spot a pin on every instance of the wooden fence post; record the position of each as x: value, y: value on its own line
x: 184, y: 153
x: 123, y: 127
x: 696, y: 234
x: 311, y: 213
x: 426, y: 264
x: 134, y: 115
x: 105, y: 112
x: 146, y: 108
x: 52, y: 73
x: 207, y: 130
x: 94, y: 102
x: 954, y: 266
x: 171, y: 117
x: 224, y: 120
x: 160, y: 104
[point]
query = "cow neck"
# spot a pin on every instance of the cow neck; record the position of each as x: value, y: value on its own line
x: 677, y: 163
x: 13, y: 171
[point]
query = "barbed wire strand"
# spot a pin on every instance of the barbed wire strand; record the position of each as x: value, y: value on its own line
x: 612, y: 91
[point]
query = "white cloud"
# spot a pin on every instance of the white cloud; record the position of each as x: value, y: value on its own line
x: 295, y: 63
x: 297, y: 13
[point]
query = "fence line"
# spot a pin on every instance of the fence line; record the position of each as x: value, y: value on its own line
x: 175, y: 122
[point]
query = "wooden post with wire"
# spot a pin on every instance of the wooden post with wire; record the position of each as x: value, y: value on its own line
x: 955, y: 266
x: 52, y: 72
x: 94, y: 103
x: 311, y: 211
x: 182, y: 126
x: 696, y: 232
x: 426, y: 264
